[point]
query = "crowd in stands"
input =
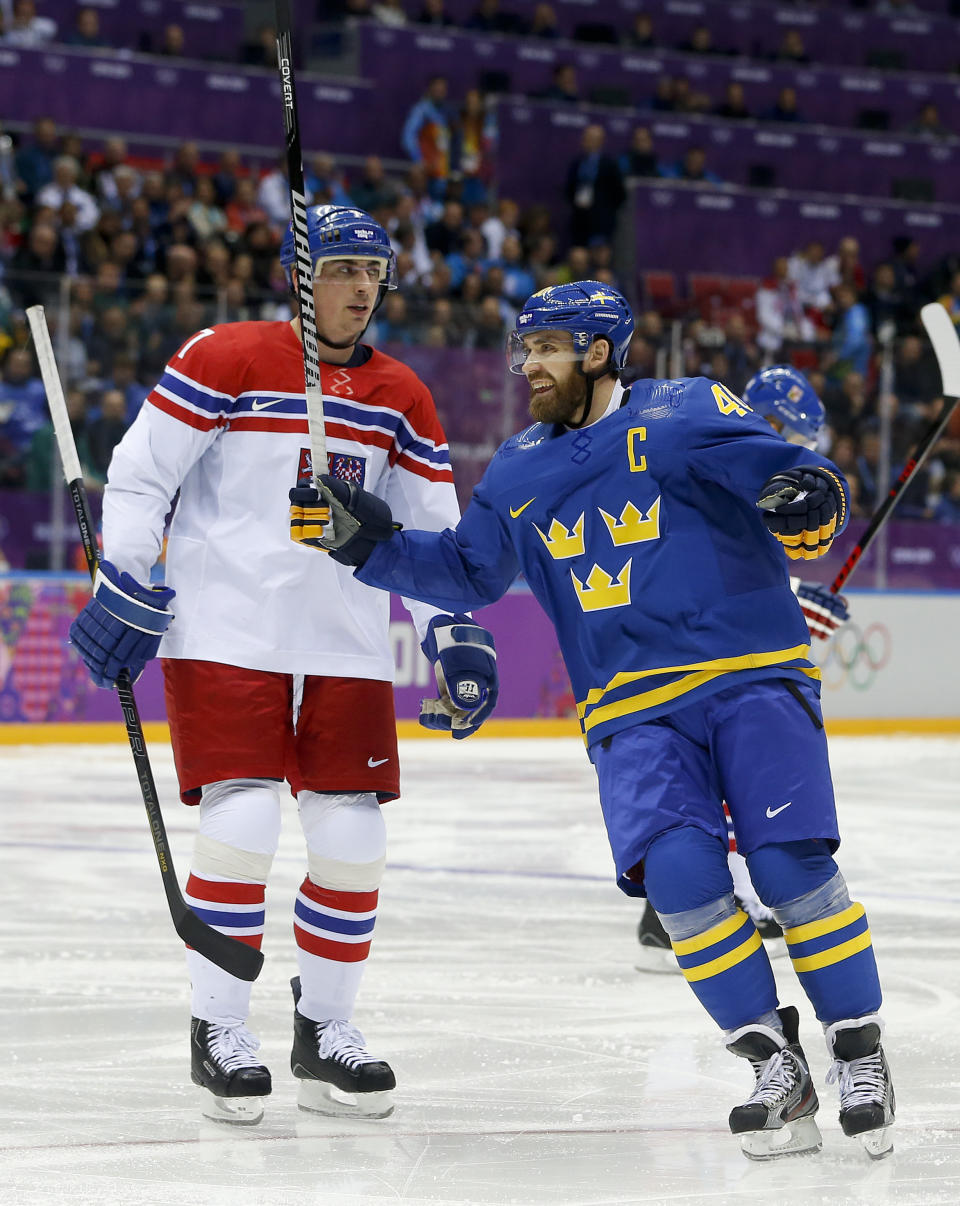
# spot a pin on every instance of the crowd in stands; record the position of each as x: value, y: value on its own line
x: 134, y: 255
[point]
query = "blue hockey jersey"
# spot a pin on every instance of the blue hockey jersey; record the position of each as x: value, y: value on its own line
x: 640, y: 537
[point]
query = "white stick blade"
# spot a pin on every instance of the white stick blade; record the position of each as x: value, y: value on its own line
x: 54, y: 390
x: 946, y: 345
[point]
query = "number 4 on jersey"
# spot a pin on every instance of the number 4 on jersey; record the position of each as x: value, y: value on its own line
x: 727, y: 402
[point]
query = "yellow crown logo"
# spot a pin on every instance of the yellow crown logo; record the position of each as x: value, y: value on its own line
x: 561, y: 543
x: 633, y: 527
x: 600, y: 592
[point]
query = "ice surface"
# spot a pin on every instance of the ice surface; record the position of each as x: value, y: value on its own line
x: 535, y: 1065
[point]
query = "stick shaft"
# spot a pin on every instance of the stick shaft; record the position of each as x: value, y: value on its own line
x: 235, y: 957
x: 301, y: 238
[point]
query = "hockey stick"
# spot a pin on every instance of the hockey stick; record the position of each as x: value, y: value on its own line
x: 301, y: 239
x: 234, y: 957
x: 946, y: 346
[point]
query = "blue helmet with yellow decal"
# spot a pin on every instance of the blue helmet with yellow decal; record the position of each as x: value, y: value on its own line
x: 589, y: 310
x: 344, y: 233
x: 786, y: 398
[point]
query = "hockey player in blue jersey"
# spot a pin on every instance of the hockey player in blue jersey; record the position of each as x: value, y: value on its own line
x: 651, y: 524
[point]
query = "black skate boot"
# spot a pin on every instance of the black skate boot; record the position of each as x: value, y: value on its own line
x: 656, y: 953
x: 338, y: 1075
x: 778, y: 1117
x: 867, y: 1101
x: 222, y: 1061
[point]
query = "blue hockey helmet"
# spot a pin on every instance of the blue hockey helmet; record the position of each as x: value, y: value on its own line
x: 587, y: 309
x: 343, y: 233
x: 783, y: 395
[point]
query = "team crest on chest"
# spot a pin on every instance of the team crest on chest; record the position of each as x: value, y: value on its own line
x: 348, y: 468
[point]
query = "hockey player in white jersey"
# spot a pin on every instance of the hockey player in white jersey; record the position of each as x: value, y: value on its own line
x: 261, y: 688
x: 789, y: 403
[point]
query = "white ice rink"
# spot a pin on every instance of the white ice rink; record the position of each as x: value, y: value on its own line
x: 535, y: 1065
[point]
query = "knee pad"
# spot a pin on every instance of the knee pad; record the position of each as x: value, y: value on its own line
x: 789, y: 872
x: 685, y: 868
x: 239, y: 829
x: 346, y: 839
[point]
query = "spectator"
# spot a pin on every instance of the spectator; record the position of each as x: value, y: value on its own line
x: 23, y: 411
x: 884, y: 303
x: 564, y: 86
x: 426, y: 134
x: 34, y: 272
x: 124, y: 378
x: 172, y: 42
x: 42, y: 467
x: 86, y: 31
x: 640, y: 158
x: 112, y: 336
x: 273, y: 195
x: 640, y: 36
x: 325, y: 183
x: 63, y: 189
x: 107, y: 430
x: 244, y: 209
x: 490, y: 330
x: 664, y: 95
x: 184, y: 167
x: 228, y: 174
x: 26, y: 29
x: 373, y: 191
x: 916, y: 373
x: 692, y: 167
x: 434, y: 12
x: 473, y: 143
x: 845, y: 264
x: 444, y: 235
x: 34, y: 162
x: 468, y: 257
x: 518, y: 277
x: 205, y: 216
x: 594, y: 189
x: 110, y: 171
x: 951, y: 300
x: 262, y: 51
x: 389, y: 12
x: 848, y: 405
x: 813, y: 275
x: 785, y: 108
x: 488, y: 18
x: 927, y: 123
x: 393, y: 321
x: 496, y: 227
x: 851, y: 344
x: 792, y: 48
x: 948, y: 508
x: 780, y: 315
x: 740, y: 352
x: 700, y: 41
x: 734, y: 104
x: 543, y: 23
x: 906, y: 254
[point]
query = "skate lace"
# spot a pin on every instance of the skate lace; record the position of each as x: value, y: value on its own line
x: 233, y: 1047
x: 775, y: 1079
x: 862, y: 1081
x: 343, y: 1042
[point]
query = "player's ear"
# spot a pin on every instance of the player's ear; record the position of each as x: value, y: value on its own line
x: 599, y: 356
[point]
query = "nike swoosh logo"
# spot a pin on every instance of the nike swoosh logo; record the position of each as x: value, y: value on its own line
x: 515, y: 513
x: 772, y: 812
x: 377, y: 761
x: 258, y: 405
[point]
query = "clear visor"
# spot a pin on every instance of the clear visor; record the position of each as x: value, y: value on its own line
x: 552, y: 347
x: 375, y: 269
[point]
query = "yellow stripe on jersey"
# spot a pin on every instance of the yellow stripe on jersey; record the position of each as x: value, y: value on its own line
x: 702, y: 672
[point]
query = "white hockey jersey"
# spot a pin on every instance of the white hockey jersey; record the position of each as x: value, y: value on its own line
x: 226, y: 426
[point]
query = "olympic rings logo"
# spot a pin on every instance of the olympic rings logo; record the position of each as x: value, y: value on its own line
x: 856, y: 656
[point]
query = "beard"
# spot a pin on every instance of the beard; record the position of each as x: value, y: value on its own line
x: 563, y: 404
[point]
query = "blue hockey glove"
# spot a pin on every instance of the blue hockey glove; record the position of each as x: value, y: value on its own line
x: 824, y: 612
x: 804, y: 507
x: 465, y: 663
x: 120, y: 628
x: 341, y: 519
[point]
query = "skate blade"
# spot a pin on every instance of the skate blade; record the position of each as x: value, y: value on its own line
x: 792, y: 1139
x: 878, y: 1143
x: 234, y: 1111
x: 319, y: 1097
x: 657, y: 961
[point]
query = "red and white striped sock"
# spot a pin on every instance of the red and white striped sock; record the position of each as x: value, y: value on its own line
x: 236, y: 908
x: 333, y: 930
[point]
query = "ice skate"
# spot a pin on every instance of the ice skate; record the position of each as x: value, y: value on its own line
x: 337, y: 1075
x: 777, y: 1119
x: 222, y: 1061
x: 656, y: 953
x: 867, y: 1101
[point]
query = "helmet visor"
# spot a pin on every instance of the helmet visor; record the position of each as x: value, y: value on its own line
x: 550, y: 346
